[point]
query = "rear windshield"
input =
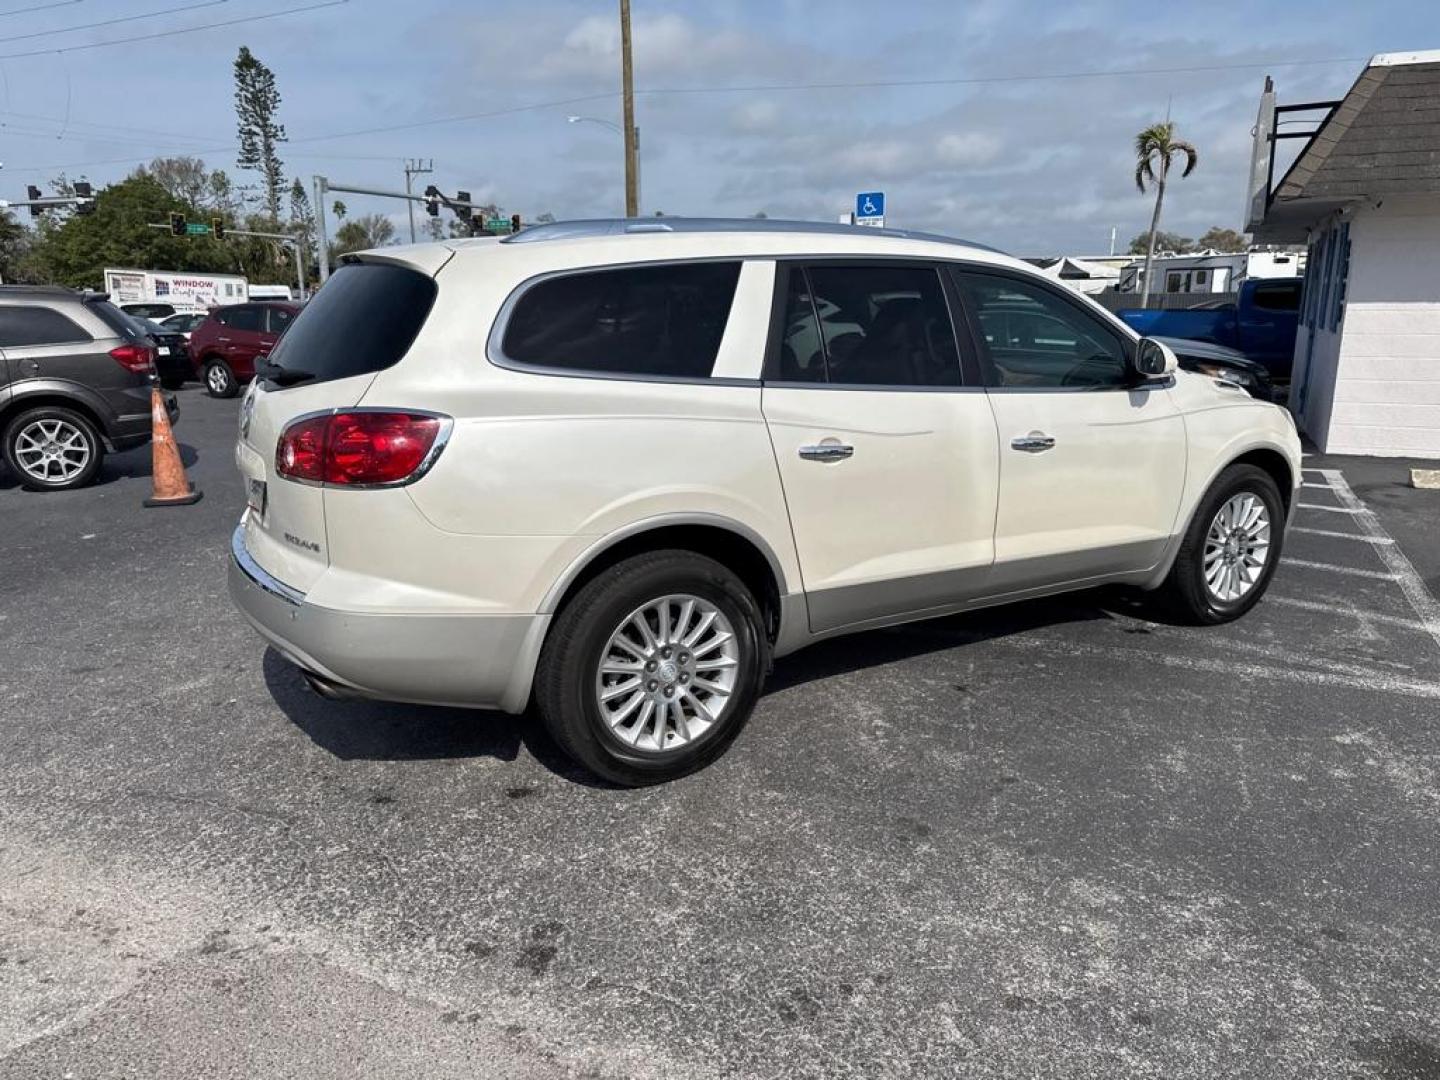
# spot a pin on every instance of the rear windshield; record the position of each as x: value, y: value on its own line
x: 361, y: 322
x: 126, y: 325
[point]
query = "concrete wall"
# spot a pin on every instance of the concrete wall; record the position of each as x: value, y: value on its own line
x: 1374, y: 386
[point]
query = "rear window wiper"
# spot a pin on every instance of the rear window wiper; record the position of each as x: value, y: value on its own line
x: 283, y: 376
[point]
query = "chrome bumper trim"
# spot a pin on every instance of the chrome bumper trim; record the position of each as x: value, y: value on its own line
x: 256, y: 573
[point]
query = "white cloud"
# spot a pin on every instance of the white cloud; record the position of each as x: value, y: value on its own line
x: 967, y: 148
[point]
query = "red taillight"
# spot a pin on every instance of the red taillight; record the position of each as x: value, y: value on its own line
x: 135, y: 358
x: 356, y: 447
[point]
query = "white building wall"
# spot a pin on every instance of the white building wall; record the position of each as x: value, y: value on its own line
x: 1386, y: 382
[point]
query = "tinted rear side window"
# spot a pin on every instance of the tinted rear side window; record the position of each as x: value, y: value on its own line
x: 1278, y: 297
x: 362, y: 321
x: 242, y: 318
x: 20, y: 326
x: 638, y: 320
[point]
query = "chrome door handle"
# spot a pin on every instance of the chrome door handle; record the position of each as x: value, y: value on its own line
x: 1034, y: 443
x: 827, y: 452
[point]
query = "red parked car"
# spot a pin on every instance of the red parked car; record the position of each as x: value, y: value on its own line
x: 225, y: 346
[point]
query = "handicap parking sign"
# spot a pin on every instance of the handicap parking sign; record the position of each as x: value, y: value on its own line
x: 869, y: 205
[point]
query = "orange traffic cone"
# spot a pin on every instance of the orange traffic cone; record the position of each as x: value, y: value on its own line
x: 167, y: 472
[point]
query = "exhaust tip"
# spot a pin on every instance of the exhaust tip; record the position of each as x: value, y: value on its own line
x: 327, y: 689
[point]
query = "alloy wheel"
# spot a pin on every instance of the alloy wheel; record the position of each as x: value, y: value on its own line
x: 1237, y: 547
x: 217, y: 379
x: 667, y: 674
x: 52, y: 450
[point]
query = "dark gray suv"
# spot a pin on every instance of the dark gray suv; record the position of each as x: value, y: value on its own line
x: 75, y: 379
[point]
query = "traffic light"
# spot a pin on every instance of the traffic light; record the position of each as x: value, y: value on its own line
x: 217, y: 227
x: 461, y: 205
x: 85, y: 193
x: 177, y: 224
x: 432, y: 200
x: 514, y: 223
x: 32, y: 193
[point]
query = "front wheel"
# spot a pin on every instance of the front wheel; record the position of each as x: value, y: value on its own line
x: 651, y: 670
x: 220, y: 381
x: 1231, y: 549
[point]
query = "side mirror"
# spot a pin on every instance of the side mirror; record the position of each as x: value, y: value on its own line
x: 1153, y: 359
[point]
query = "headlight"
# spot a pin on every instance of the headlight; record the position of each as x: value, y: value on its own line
x: 1229, y: 374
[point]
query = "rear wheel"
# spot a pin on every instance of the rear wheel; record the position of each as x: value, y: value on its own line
x: 1231, y: 548
x: 220, y: 381
x: 651, y: 670
x: 52, y: 448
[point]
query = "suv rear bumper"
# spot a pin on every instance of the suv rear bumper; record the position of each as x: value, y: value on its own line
x: 475, y: 661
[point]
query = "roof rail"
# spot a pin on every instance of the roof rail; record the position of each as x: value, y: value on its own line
x: 597, y: 227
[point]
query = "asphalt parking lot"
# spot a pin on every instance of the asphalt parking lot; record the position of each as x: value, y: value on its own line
x: 1057, y: 840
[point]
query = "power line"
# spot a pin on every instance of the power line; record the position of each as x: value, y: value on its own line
x: 657, y: 91
x: 112, y: 22
x: 173, y: 33
x: 41, y: 7
x: 873, y: 84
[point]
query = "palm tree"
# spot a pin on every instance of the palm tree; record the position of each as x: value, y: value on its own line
x: 1154, y: 147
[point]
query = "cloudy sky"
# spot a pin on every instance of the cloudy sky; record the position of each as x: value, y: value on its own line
x: 785, y: 106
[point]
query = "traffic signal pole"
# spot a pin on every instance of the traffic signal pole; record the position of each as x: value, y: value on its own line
x: 48, y: 202
x: 283, y: 238
x: 323, y: 186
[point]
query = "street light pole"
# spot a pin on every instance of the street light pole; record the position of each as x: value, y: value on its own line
x: 627, y: 77
x: 639, y: 190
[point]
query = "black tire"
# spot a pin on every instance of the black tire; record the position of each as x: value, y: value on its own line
x: 1186, y: 588
x: 219, y: 380
x: 76, y: 420
x: 172, y: 382
x: 566, y: 675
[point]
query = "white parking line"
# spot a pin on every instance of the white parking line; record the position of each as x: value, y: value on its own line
x: 1340, y: 535
x: 1346, y: 609
x: 1379, y: 575
x: 1323, y: 487
x: 1328, y: 509
x: 1378, y: 681
x: 1427, y: 608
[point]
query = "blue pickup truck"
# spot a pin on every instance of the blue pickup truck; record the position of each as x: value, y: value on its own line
x: 1261, y: 324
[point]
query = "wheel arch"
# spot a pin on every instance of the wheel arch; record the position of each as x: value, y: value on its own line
x: 728, y: 542
x: 23, y: 402
x: 1271, y: 461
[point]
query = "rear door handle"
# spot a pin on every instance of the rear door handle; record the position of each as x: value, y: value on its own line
x: 826, y: 452
x: 1035, y: 443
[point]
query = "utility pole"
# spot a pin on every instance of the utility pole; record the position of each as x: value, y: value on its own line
x: 415, y: 167
x: 627, y: 76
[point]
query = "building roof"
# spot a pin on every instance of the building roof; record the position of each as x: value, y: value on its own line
x: 1382, y: 139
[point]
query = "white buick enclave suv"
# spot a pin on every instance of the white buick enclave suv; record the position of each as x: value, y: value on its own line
x: 618, y: 467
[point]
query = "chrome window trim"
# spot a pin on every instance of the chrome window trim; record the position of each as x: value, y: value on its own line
x: 442, y: 439
x: 253, y: 570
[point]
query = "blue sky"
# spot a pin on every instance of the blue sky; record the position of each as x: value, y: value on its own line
x: 1033, y: 166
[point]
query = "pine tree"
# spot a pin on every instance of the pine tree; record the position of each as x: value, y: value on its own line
x: 256, y: 102
x: 302, y: 218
